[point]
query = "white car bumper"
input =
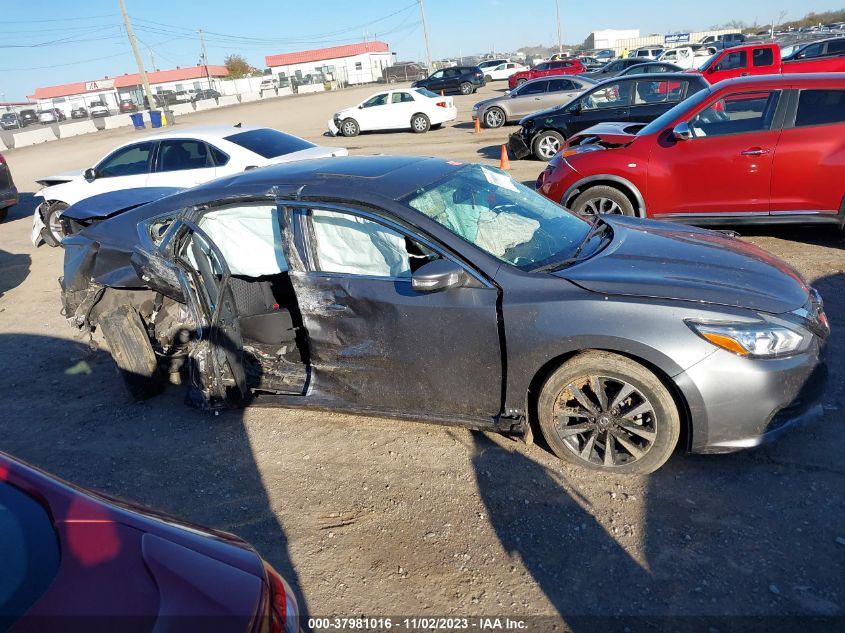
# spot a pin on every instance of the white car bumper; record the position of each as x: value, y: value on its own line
x: 37, y: 226
x: 450, y: 113
x: 332, y: 128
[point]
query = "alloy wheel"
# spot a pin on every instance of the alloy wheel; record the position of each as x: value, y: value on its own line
x: 605, y: 421
x: 548, y: 146
x: 603, y: 206
x: 494, y: 118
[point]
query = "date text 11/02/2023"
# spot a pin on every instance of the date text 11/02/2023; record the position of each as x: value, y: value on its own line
x: 416, y: 624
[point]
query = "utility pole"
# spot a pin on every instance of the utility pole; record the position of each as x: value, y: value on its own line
x: 205, y: 59
x: 559, y: 39
x: 152, y: 58
x: 425, y: 35
x: 143, y: 73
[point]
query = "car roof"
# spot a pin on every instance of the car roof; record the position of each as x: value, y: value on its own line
x: 804, y: 80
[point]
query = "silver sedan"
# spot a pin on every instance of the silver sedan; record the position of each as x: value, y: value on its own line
x: 534, y: 95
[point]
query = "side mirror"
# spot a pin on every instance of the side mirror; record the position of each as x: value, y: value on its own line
x: 90, y: 174
x: 682, y: 132
x: 438, y: 275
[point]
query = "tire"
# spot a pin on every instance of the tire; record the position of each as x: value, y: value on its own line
x: 52, y: 232
x: 391, y: 80
x: 132, y: 352
x: 488, y: 78
x: 519, y: 82
x: 349, y: 127
x: 648, y: 437
x: 546, y: 144
x: 603, y: 199
x: 420, y: 124
x: 494, y: 117
x: 466, y: 88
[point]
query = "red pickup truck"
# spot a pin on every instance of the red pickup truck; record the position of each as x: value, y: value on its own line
x: 546, y: 69
x: 763, y: 59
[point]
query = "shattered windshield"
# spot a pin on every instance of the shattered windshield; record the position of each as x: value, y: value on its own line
x: 511, y: 222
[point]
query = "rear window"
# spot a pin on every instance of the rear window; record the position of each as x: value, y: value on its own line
x: 426, y: 93
x: 269, y: 143
x: 29, y: 550
x: 820, y: 107
x: 763, y: 57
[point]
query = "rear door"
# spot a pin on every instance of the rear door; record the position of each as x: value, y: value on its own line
x: 399, y: 111
x: 559, y: 91
x: 219, y: 372
x: 375, y: 342
x: 807, y: 168
x: 182, y: 163
x: 608, y: 102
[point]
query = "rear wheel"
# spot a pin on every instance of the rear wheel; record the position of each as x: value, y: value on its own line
x: 519, y: 82
x: 53, y: 232
x: 420, y: 123
x: 132, y: 351
x: 349, y: 127
x: 607, y: 412
x: 602, y: 199
x: 466, y: 88
x: 494, y: 117
x: 391, y: 80
x: 488, y: 78
x: 546, y: 144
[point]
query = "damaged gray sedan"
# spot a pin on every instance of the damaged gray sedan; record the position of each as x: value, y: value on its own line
x: 447, y: 292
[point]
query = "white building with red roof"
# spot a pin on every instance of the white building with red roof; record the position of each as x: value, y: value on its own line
x: 351, y: 64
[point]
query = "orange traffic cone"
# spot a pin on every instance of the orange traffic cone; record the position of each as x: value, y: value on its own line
x: 477, y: 126
x: 504, y: 163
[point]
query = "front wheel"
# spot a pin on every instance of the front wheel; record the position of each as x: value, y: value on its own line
x: 466, y: 88
x: 602, y: 199
x: 547, y: 144
x: 494, y: 117
x: 53, y: 233
x: 420, y: 123
x: 349, y: 127
x: 519, y: 82
x: 488, y: 78
x: 606, y: 412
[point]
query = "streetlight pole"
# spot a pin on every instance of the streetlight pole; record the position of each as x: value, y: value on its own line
x: 559, y: 38
x: 143, y: 73
x: 425, y: 35
x: 205, y: 59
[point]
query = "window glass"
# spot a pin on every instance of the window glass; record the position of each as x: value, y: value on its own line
x: 129, y: 161
x: 401, y: 97
x: 837, y: 46
x: 354, y: 245
x: 737, y: 114
x: 249, y: 237
x: 651, y: 92
x: 762, y: 57
x: 178, y: 155
x: 378, y: 100
x: 813, y: 50
x: 732, y: 61
x: 506, y: 219
x: 614, y: 95
x: 656, y: 68
x: 426, y: 93
x: 219, y: 157
x: 820, y: 107
x: 269, y: 143
x: 29, y: 549
x: 438, y: 75
x: 557, y: 85
x: 534, y: 88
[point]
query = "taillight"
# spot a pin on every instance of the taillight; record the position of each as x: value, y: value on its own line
x: 441, y: 104
x: 284, y: 614
x: 2, y: 160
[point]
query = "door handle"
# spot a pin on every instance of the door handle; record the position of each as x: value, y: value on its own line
x: 755, y: 151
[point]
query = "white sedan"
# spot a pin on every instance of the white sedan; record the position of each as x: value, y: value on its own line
x: 503, y: 71
x: 416, y: 109
x: 176, y: 158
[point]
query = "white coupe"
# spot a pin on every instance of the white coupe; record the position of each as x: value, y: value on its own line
x: 416, y: 109
x: 183, y: 158
x: 503, y: 71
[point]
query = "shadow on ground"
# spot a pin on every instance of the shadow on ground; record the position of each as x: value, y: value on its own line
x: 14, y: 269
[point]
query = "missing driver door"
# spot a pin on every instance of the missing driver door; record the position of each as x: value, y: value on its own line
x: 218, y: 371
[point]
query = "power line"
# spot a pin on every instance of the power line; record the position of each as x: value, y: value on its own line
x: 80, y: 61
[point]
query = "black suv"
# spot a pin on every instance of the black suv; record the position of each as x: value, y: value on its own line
x: 463, y: 79
x: 634, y: 98
x: 27, y: 117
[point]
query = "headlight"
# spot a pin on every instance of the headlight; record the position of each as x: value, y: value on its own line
x: 758, y: 340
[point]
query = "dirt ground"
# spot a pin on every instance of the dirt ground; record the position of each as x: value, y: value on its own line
x: 377, y: 517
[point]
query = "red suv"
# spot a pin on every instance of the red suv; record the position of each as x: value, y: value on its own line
x: 761, y: 150
x: 546, y: 69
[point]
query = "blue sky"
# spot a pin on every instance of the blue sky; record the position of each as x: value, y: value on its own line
x: 50, y: 42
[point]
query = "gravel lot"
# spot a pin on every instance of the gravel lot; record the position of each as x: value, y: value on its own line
x: 371, y: 517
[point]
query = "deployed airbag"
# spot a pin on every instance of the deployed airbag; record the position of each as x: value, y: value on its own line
x: 249, y: 238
